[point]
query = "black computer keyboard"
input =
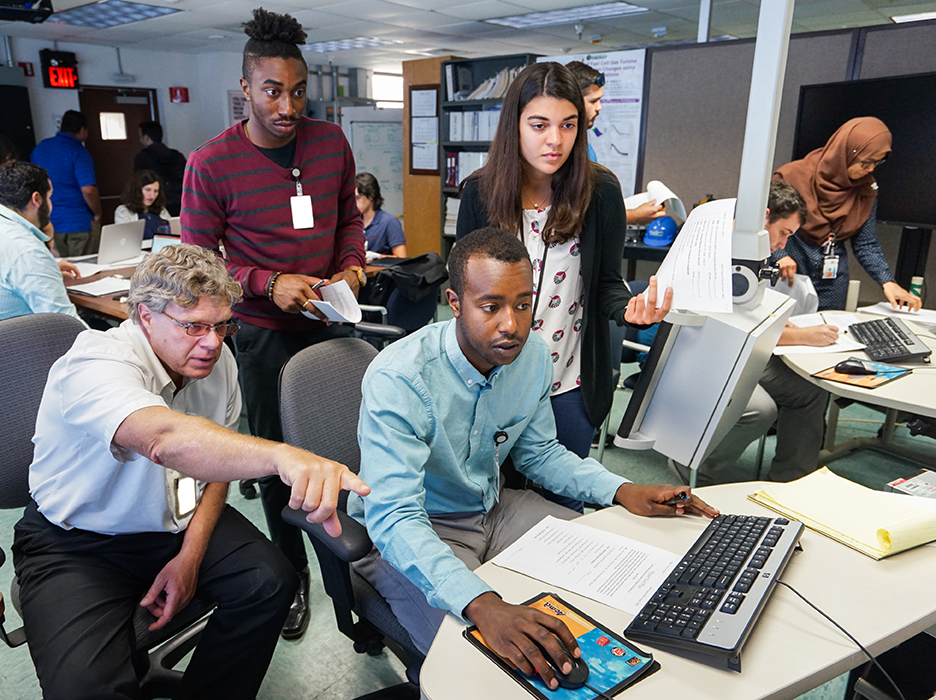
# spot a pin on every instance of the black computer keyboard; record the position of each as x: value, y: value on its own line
x: 711, y: 600
x: 889, y: 339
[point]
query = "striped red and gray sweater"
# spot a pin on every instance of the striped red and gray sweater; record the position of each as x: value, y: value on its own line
x: 235, y: 196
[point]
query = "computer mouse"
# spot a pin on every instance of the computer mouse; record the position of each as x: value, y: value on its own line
x: 576, y: 677
x: 853, y: 367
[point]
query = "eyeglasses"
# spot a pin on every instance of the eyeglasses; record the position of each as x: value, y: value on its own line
x: 872, y: 164
x: 198, y: 330
x: 599, y: 82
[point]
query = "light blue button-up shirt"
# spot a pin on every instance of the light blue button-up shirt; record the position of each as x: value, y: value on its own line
x: 428, y: 420
x: 30, y: 279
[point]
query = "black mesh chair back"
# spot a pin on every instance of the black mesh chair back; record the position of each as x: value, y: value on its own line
x: 29, y: 345
x: 320, y: 401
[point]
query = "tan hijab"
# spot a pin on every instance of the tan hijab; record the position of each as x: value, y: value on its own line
x: 836, y: 202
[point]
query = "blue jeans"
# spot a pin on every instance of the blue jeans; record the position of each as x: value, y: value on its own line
x: 574, y: 432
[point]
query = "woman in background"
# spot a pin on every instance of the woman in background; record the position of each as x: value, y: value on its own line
x: 143, y: 198
x: 539, y: 183
x: 837, y: 182
x: 383, y: 231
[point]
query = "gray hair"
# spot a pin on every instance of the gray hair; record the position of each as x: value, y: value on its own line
x: 180, y: 274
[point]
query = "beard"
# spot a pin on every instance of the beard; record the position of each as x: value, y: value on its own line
x: 44, y: 213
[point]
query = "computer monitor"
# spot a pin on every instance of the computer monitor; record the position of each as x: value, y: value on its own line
x: 711, y: 370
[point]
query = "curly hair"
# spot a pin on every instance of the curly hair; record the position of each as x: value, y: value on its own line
x: 271, y: 36
x: 132, y: 196
x: 180, y: 274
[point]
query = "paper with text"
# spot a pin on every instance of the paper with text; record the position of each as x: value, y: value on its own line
x: 661, y: 194
x: 698, y: 265
x: 338, y: 303
x: 600, y: 565
x: 842, y: 321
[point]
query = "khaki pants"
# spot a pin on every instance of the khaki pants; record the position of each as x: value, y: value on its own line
x: 79, y: 243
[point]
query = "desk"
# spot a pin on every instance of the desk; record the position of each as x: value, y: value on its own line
x: 915, y: 393
x: 116, y: 310
x: 635, y: 250
x: 791, y: 650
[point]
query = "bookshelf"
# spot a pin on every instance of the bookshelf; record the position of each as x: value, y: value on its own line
x: 472, y: 91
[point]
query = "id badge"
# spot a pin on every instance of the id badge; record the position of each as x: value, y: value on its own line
x: 182, y: 492
x: 302, y: 211
x: 830, y: 267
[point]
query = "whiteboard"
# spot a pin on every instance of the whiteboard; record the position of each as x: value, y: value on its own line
x: 378, y: 149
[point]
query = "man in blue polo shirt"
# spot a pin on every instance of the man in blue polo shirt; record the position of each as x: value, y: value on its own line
x: 76, y: 202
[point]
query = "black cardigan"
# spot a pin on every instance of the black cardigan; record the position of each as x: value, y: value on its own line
x: 602, y: 245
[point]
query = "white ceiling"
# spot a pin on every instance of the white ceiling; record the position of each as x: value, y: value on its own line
x: 448, y: 27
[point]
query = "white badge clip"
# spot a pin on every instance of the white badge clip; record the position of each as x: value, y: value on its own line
x: 183, y: 493
x: 301, y: 206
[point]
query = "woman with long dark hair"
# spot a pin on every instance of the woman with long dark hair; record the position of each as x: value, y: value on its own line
x: 143, y: 198
x: 539, y: 183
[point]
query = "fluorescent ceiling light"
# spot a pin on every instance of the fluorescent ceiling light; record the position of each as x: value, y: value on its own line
x: 918, y: 17
x: 109, y: 13
x: 360, y: 42
x: 575, y: 14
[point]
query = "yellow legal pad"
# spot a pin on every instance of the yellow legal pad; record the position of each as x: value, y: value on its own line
x: 873, y: 522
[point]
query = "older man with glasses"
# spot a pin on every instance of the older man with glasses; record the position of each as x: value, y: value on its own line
x: 134, y: 445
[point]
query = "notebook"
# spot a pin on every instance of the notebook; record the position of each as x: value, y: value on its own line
x: 871, y: 522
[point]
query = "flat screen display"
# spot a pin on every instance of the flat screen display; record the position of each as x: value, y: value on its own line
x: 907, y: 104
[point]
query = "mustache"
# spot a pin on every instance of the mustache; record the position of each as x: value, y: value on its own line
x: 288, y: 120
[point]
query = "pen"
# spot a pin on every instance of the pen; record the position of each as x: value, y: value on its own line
x: 317, y: 285
x: 677, y: 499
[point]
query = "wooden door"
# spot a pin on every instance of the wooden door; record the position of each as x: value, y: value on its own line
x: 114, y: 115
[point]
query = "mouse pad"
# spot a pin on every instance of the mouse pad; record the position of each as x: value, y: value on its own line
x: 883, y: 375
x: 613, y: 663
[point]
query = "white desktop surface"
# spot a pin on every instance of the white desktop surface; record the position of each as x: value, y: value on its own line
x: 915, y: 393
x: 791, y: 649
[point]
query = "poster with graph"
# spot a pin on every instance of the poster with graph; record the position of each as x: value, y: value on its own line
x: 615, y: 135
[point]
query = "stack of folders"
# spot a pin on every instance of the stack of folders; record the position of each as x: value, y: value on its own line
x: 873, y: 522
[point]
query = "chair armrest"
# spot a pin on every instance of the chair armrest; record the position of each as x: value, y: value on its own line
x: 379, y: 330
x: 351, y: 545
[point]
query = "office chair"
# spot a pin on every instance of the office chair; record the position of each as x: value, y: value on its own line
x: 29, y: 345
x: 331, y: 372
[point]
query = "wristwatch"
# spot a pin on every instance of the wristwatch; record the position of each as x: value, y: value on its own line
x: 362, y: 278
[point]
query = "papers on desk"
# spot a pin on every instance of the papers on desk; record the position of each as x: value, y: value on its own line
x: 600, y: 565
x: 872, y: 522
x: 107, y: 287
x: 338, y: 303
x: 92, y: 268
x: 923, y: 317
x: 842, y: 321
x: 698, y: 265
x: 661, y: 194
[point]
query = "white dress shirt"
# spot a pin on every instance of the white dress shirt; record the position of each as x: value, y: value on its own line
x: 79, y: 478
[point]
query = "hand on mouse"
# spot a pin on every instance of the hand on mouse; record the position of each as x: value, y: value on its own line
x: 514, y: 631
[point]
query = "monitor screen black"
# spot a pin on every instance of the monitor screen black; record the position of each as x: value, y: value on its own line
x: 907, y: 105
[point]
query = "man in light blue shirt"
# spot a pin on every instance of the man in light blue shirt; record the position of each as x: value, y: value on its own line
x: 30, y: 278
x: 441, y: 412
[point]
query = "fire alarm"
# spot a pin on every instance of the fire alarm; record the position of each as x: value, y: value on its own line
x: 178, y: 95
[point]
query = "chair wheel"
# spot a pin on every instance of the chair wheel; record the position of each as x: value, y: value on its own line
x: 248, y: 489
x: 374, y: 647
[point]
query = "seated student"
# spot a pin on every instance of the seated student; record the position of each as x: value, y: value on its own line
x: 143, y: 198
x: 797, y: 405
x: 383, y: 231
x: 128, y: 419
x: 30, y: 277
x: 442, y: 409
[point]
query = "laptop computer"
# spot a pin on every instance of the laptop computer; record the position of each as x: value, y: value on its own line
x: 175, y: 226
x: 119, y: 242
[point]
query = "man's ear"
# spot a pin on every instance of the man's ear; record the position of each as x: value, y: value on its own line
x: 245, y: 88
x: 454, y: 302
x: 36, y: 200
x: 146, y: 318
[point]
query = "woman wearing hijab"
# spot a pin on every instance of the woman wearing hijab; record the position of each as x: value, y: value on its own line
x: 837, y: 182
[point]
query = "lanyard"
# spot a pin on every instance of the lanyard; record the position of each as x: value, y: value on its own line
x: 539, y: 284
x: 297, y: 174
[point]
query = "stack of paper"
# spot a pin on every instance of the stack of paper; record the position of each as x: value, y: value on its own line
x: 337, y: 303
x: 451, y: 216
x: 106, y: 287
x: 872, y: 522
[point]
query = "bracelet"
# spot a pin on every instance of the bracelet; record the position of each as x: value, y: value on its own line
x: 271, y: 282
x: 359, y: 271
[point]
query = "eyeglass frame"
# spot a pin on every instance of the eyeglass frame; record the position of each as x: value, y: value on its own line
x: 873, y: 164
x: 189, y: 326
x: 598, y: 82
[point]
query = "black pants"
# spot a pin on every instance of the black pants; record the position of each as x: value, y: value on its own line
x: 79, y: 591
x: 261, y: 354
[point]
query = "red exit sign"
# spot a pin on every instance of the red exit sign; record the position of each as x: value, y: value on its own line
x: 59, y: 69
x: 63, y: 77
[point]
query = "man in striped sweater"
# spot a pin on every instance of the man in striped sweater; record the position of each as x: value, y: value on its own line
x: 276, y: 191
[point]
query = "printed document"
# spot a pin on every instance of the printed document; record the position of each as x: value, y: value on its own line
x: 661, y: 194
x: 698, y: 265
x: 600, y: 565
x: 842, y: 321
x: 338, y: 303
